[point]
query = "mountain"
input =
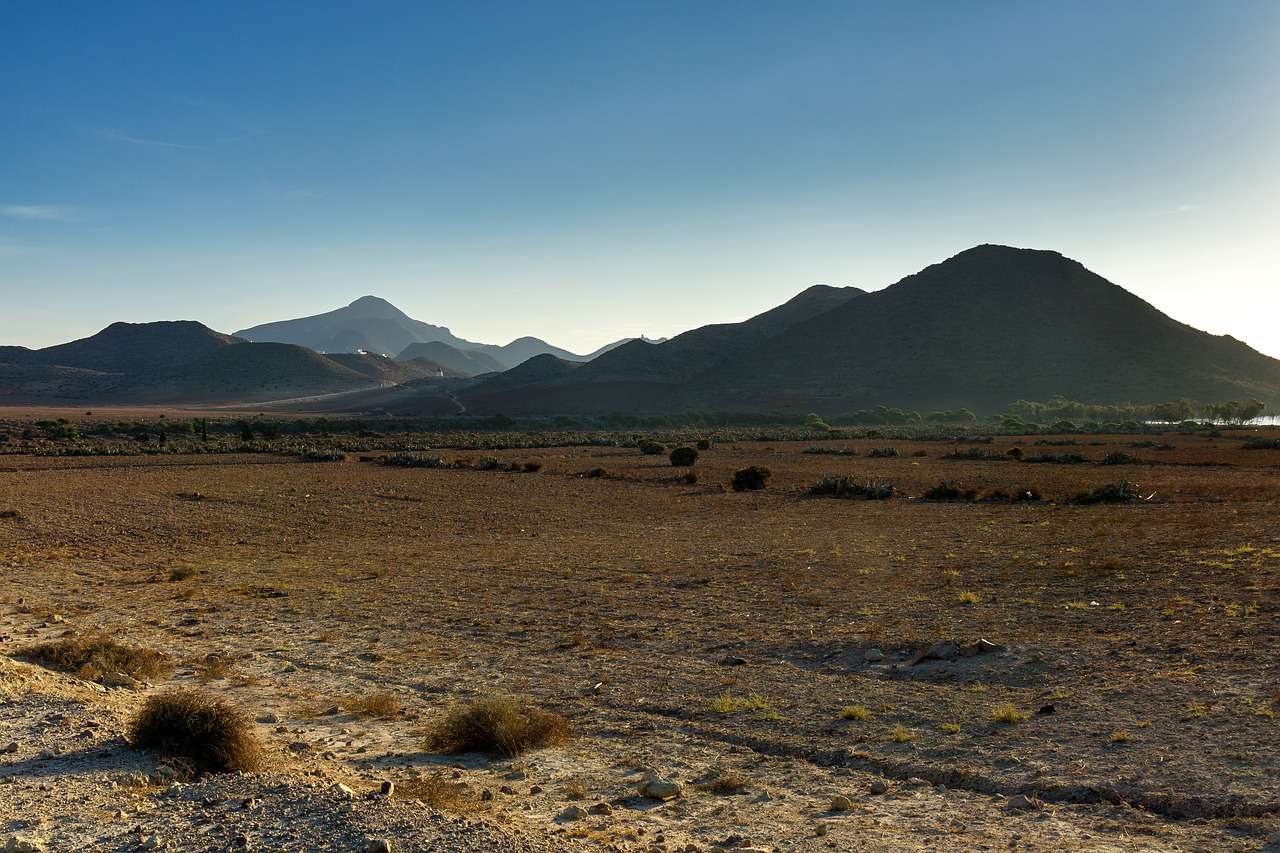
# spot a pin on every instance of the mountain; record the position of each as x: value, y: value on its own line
x: 470, y: 361
x: 369, y: 323
x: 185, y: 362
x: 375, y: 325
x: 983, y: 329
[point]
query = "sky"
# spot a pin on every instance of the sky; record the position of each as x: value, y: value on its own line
x: 590, y: 171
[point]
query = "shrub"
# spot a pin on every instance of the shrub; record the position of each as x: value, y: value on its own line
x: 1028, y: 495
x: 312, y: 454
x: 649, y: 447
x: 704, y: 444
x: 1262, y: 444
x: 847, y: 487
x: 198, y: 733
x: 94, y: 653
x: 1121, y: 492
x: 383, y: 706
x: 884, y: 453
x: 725, y: 783
x: 751, y: 478
x: 498, y: 725
x: 438, y: 792
x: 949, y: 491
x: 1008, y: 714
x: 1119, y: 457
x: 414, y: 460
x: 532, y: 467
x: 683, y: 456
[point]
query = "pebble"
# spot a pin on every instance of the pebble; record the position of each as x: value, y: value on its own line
x: 18, y: 844
x: 840, y: 803
x: 13, y: 747
x: 879, y: 786
x: 734, y: 660
x: 378, y: 845
x: 572, y: 813
x: 602, y: 808
x: 388, y: 788
x: 152, y: 842
x: 1021, y: 802
x: 873, y: 655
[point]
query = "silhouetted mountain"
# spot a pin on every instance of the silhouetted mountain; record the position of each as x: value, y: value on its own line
x: 471, y: 362
x: 138, y: 347
x: 375, y: 325
x: 990, y: 326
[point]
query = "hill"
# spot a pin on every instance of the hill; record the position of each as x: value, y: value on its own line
x: 471, y: 362
x: 983, y: 329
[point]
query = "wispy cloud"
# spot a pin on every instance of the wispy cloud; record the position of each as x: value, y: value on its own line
x: 47, y: 212
x: 121, y: 136
x: 1185, y: 208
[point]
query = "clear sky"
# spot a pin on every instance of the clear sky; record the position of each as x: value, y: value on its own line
x: 587, y: 171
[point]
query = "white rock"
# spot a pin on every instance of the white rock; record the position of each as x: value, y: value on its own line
x: 661, y: 789
x: 18, y: 844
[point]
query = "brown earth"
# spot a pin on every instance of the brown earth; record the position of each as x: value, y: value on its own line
x: 686, y: 630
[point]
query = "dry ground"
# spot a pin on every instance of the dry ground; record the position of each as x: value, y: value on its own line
x: 1150, y: 629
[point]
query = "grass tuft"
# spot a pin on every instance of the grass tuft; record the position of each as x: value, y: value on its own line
x: 93, y: 654
x: 498, y: 725
x: 198, y: 733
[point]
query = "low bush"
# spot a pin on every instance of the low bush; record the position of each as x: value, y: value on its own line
x: 532, y: 467
x: 884, y: 453
x: 649, y: 447
x: 949, y: 491
x: 683, y: 457
x: 1262, y: 444
x: 848, y: 487
x: 1121, y: 492
x: 197, y: 733
x: 751, y: 478
x: 498, y: 725
x: 318, y: 455
x: 93, y: 654
x: 414, y: 460
x: 1119, y: 457
x: 1001, y: 496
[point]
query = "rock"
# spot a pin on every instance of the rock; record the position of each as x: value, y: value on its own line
x: 1274, y: 838
x: 733, y: 660
x: 820, y: 829
x: 1022, y: 802
x: 602, y: 808
x: 981, y: 647
x: 879, y: 786
x: 378, y: 845
x: 572, y: 813
x: 152, y: 842
x: 840, y: 803
x: 388, y: 788
x: 269, y: 719
x: 46, y: 754
x: 508, y: 790
x: 534, y: 790
x: 344, y: 790
x: 661, y: 789
x: 331, y: 711
x: 1047, y: 708
x: 873, y: 655
x: 13, y: 747
x: 18, y: 844
x: 120, y: 679
x: 941, y: 650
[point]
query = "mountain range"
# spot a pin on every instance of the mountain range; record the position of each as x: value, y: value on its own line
x: 371, y: 324
x: 985, y: 328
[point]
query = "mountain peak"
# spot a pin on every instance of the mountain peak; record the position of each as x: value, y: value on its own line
x: 376, y: 307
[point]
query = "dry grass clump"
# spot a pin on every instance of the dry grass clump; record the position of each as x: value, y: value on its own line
x: 498, y: 725
x: 441, y: 794
x: 1008, y: 714
x: 93, y: 654
x: 196, y: 732
x: 725, y: 783
x: 382, y: 706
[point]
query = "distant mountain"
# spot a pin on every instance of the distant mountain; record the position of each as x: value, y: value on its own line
x: 472, y: 362
x: 185, y: 362
x: 375, y: 325
x: 990, y: 326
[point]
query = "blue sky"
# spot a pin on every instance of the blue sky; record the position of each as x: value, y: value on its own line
x: 587, y: 171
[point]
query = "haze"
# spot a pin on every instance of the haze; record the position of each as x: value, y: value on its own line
x: 589, y: 171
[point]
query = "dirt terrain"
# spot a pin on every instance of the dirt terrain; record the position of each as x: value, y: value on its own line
x: 755, y: 646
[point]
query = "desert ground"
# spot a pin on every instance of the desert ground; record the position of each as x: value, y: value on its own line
x: 758, y: 647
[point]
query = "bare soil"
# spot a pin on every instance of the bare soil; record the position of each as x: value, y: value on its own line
x: 687, y: 631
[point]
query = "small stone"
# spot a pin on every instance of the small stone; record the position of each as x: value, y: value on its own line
x: 519, y: 774
x: 388, y: 788
x: 879, y: 786
x: 1022, y: 802
x: 840, y: 803
x: 378, y: 845
x: 941, y: 650
x: 508, y: 790
x: 661, y: 789
x: 120, y: 679
x: 486, y: 795
x: 18, y: 844
x: 602, y: 808
x: 1274, y: 838
x: 572, y: 813
x: 820, y: 829
x: 344, y: 790
x: 873, y: 655
x: 734, y: 660
x: 269, y: 719
x: 46, y: 754
x: 331, y: 711
x: 13, y: 747
x: 241, y: 841
x: 535, y: 789
x: 152, y: 842
x: 1047, y: 708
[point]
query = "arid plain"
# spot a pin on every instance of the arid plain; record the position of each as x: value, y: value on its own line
x: 755, y: 646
